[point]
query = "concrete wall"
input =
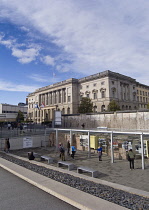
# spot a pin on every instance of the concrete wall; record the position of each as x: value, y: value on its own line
x: 122, y: 120
x: 17, y: 143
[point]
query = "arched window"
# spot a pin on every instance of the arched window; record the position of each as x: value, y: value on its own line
x: 95, y: 109
x: 68, y: 110
x: 103, y: 108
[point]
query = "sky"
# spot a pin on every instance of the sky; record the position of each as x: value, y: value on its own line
x: 48, y: 41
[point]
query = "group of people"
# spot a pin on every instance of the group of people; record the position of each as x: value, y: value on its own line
x: 70, y: 149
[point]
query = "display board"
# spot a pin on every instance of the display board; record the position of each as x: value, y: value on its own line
x: 58, y: 118
x: 27, y: 142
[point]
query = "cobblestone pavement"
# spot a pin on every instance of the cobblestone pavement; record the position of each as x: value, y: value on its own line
x: 117, y: 172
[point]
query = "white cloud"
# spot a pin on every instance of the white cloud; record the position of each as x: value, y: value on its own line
x: 25, y: 56
x: 9, y: 86
x: 38, y: 78
x: 98, y: 35
x: 48, y: 60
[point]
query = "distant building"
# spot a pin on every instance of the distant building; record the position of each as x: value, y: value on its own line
x: 21, y: 104
x: 101, y: 88
x: 9, y: 112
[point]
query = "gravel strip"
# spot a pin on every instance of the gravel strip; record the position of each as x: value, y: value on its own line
x: 122, y: 198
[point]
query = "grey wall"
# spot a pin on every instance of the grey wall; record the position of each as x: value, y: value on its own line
x: 17, y: 143
x: 122, y: 120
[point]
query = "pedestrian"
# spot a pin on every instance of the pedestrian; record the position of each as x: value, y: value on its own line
x: 62, y: 152
x: 68, y: 147
x: 7, y: 145
x: 99, y: 150
x: 83, y: 125
x: 9, y: 126
x: 131, y: 157
x: 31, y: 156
x: 73, y: 151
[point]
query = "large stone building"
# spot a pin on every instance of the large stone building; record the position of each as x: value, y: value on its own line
x: 101, y: 88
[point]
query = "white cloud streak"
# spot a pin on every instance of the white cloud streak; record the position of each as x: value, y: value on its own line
x: 9, y: 86
x: 98, y: 35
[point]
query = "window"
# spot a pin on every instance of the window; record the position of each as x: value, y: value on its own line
x: 137, y: 92
x: 69, y: 98
x: 95, y: 108
x: 68, y: 110
x: 94, y: 84
x: 87, y: 95
x: 134, y: 97
x: 141, y: 98
x: 140, y: 92
x: 137, y: 98
x: 102, y: 83
x: 112, y: 82
x: 103, y: 94
x: 95, y: 95
x: 87, y: 86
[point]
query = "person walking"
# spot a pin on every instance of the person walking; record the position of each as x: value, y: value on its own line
x: 68, y: 147
x: 73, y: 150
x: 131, y: 157
x: 99, y: 150
x: 62, y: 152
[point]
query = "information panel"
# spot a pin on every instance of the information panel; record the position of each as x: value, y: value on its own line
x: 27, y: 142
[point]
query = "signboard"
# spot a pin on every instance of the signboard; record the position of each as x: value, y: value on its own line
x: 27, y: 142
x: 58, y: 118
x: 84, y: 140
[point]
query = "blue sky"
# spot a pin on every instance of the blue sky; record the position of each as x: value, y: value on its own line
x: 43, y: 42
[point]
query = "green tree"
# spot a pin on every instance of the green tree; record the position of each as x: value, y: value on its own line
x: 113, y: 106
x: 20, y: 116
x: 86, y: 105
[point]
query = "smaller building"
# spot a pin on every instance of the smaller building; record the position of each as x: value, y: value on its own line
x: 8, y: 113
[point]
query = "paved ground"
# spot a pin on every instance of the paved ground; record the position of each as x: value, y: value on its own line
x: 118, y: 172
x: 18, y: 194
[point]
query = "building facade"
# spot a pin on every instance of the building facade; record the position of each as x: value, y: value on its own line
x: 8, y: 112
x: 101, y: 88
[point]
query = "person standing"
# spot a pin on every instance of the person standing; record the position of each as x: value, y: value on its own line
x: 7, y: 145
x: 99, y: 150
x: 62, y: 152
x: 131, y: 157
x: 68, y: 147
x: 73, y: 150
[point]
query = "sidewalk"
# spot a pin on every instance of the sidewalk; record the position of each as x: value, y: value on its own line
x: 68, y: 194
x: 117, y: 172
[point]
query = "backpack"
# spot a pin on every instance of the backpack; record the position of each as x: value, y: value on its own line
x: 62, y: 150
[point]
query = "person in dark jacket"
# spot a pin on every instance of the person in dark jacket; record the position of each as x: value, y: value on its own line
x: 68, y: 147
x: 7, y: 145
x: 31, y: 156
